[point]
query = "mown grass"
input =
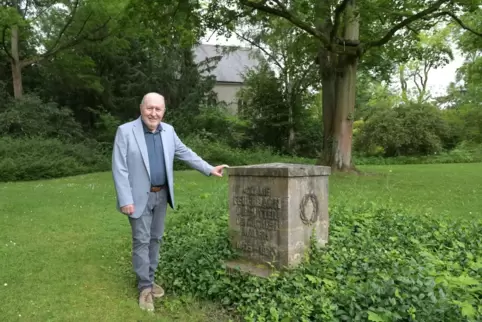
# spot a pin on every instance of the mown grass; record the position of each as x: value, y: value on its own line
x: 65, y: 251
x: 65, y: 255
x: 447, y: 190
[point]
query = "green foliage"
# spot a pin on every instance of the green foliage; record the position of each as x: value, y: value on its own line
x: 9, y: 16
x: 40, y: 158
x: 216, y: 152
x: 214, y: 123
x: 30, y: 117
x: 415, y: 129
x: 308, y: 141
x: 468, y: 41
x: 268, y: 103
x: 285, y: 84
x: 265, y: 108
x: 465, y: 122
x: 172, y: 22
x: 470, y: 73
x: 381, y: 265
x: 373, y: 96
x: 105, y: 127
x: 463, y: 153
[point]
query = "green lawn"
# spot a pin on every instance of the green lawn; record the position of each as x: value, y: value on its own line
x: 65, y: 251
x: 451, y: 190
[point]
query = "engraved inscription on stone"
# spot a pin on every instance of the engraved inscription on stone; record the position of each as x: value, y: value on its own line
x: 258, y: 217
x: 274, y: 214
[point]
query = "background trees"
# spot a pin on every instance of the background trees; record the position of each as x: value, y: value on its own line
x: 343, y: 80
x: 342, y: 34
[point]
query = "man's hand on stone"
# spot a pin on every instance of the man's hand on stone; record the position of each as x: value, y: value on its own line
x: 218, y: 171
x: 128, y: 209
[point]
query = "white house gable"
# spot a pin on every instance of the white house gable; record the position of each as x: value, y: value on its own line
x: 229, y: 69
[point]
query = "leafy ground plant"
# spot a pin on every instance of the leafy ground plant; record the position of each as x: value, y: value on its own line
x: 381, y: 265
x: 404, y: 246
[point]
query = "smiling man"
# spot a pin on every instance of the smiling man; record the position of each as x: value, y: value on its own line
x: 142, y: 168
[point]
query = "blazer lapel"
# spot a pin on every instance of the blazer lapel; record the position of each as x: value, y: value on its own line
x: 141, y: 142
x: 164, y: 147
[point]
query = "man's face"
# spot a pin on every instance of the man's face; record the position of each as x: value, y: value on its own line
x: 152, y: 112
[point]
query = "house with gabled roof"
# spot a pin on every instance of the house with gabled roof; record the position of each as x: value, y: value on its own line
x: 229, y: 64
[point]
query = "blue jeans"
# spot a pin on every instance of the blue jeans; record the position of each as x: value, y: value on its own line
x: 147, y: 232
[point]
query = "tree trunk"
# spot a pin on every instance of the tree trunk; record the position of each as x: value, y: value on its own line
x: 328, y: 82
x: 403, y: 83
x: 291, y: 122
x: 16, y: 65
x: 338, y: 83
x: 291, y: 131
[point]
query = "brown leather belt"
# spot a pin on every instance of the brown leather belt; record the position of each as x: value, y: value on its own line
x: 157, y: 188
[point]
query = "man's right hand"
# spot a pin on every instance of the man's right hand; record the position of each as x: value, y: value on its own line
x: 128, y: 209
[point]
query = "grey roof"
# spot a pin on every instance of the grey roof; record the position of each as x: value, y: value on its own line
x: 233, y: 64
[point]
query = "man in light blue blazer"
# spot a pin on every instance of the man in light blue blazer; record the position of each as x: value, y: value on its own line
x: 142, y: 169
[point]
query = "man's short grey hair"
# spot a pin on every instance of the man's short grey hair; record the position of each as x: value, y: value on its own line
x: 152, y: 94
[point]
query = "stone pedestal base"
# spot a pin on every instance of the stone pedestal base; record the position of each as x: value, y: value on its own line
x: 247, y: 267
x: 275, y: 209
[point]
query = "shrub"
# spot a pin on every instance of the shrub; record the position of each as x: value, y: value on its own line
x: 30, y: 117
x: 216, y: 124
x: 380, y: 265
x: 216, y: 152
x: 408, y: 130
x: 463, y: 153
x: 309, y: 138
x: 465, y: 122
x: 38, y: 158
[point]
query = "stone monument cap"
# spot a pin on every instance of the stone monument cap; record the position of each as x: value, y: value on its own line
x: 279, y: 169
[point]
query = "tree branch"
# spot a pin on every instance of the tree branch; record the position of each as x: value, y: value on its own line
x: 382, y: 41
x: 288, y: 16
x: 270, y: 55
x: 25, y: 10
x: 83, y: 25
x: 338, y: 11
x: 70, y: 44
x: 67, y: 24
x: 414, y: 75
x: 299, y: 83
x: 228, y: 21
x: 458, y: 21
x: 281, y: 5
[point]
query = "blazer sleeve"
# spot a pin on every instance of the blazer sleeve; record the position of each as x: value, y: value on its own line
x: 120, y: 172
x: 185, y: 154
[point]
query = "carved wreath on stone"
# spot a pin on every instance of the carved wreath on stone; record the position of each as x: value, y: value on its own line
x: 309, y: 219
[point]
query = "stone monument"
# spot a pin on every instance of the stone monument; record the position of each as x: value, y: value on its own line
x: 275, y: 210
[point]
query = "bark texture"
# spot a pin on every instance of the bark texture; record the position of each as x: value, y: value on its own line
x: 339, y: 91
x: 16, y: 64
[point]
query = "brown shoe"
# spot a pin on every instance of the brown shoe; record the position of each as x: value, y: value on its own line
x: 157, y: 291
x: 145, y: 300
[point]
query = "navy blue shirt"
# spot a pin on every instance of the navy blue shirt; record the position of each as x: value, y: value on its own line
x: 155, y: 151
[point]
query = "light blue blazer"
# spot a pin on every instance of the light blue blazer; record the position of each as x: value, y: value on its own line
x: 130, y: 164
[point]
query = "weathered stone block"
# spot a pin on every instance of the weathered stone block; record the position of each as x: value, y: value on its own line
x: 274, y: 210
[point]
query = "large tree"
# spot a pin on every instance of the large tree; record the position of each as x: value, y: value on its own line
x: 347, y: 31
x: 287, y: 49
x: 433, y: 51
x: 103, y: 82
x: 33, y: 31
